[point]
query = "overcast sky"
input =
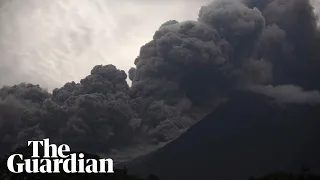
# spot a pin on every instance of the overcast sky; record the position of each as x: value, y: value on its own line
x: 50, y: 42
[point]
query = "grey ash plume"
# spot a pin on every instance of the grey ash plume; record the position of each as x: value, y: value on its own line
x: 182, y: 74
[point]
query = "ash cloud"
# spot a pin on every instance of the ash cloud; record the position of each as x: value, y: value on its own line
x: 182, y: 74
x: 289, y: 94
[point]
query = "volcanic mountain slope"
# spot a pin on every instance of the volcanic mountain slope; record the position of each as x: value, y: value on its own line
x: 250, y: 135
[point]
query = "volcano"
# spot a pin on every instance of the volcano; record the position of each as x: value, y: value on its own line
x: 248, y: 136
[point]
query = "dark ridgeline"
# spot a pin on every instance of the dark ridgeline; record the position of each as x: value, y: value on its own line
x: 250, y: 135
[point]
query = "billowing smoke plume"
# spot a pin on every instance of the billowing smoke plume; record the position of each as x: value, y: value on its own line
x: 289, y: 94
x: 234, y: 44
x: 182, y: 74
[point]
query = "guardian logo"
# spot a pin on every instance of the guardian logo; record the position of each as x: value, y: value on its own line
x: 51, y: 163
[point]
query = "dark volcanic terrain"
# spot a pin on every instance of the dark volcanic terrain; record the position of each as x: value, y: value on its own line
x: 250, y: 135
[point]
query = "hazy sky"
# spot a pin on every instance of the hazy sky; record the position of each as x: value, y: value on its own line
x: 50, y: 42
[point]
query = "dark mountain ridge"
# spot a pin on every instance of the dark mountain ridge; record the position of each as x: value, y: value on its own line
x: 250, y: 135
